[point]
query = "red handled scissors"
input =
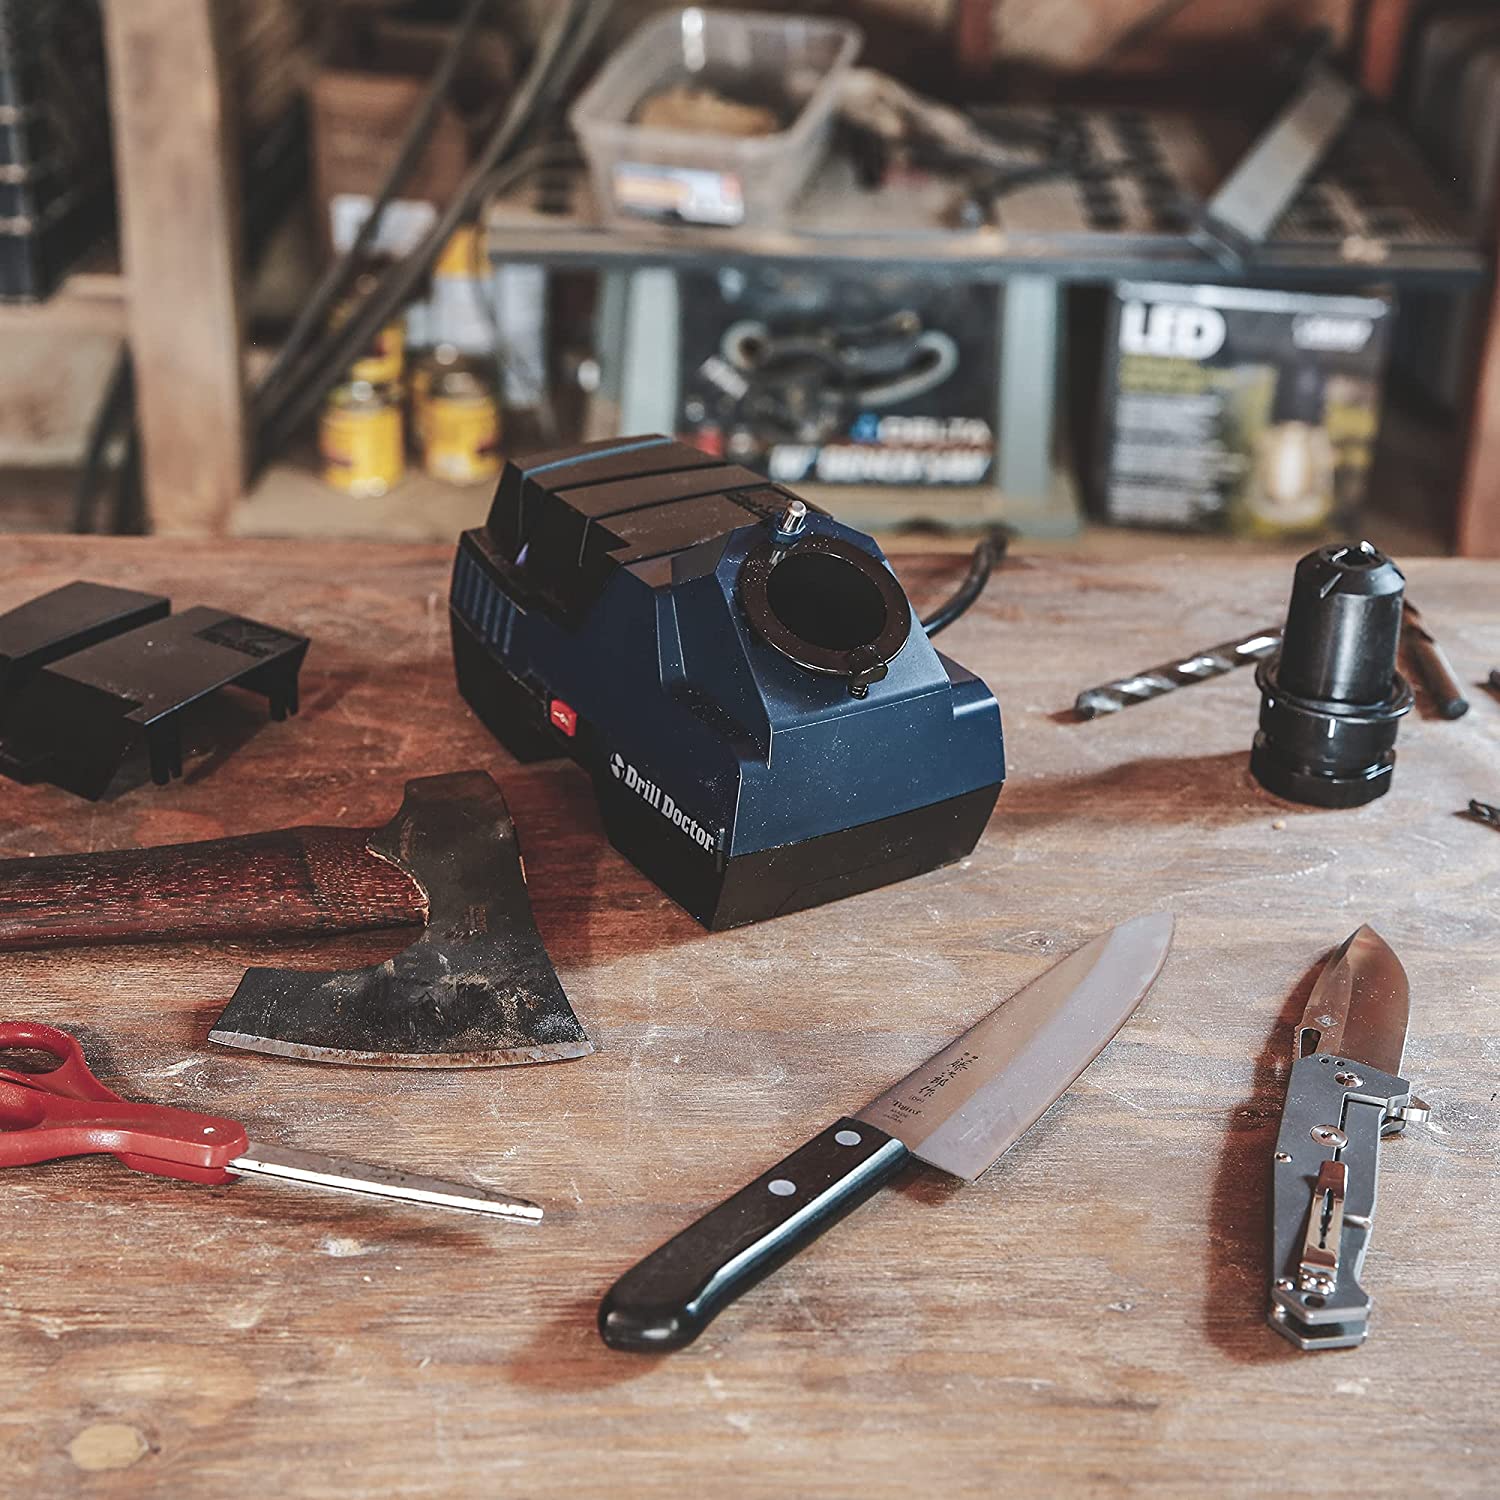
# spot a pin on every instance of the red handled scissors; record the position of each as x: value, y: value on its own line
x: 66, y: 1111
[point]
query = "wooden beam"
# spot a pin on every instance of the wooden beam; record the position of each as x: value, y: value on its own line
x: 1386, y: 25
x: 87, y: 302
x: 177, y: 166
x: 1477, y: 532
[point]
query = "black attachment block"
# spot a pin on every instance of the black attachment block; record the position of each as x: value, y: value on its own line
x: 1331, y: 698
x: 76, y: 721
x: 55, y: 625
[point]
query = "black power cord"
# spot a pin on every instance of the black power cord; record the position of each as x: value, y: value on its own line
x: 314, y: 313
x: 991, y: 548
x: 556, y: 59
x: 114, y: 415
x: 505, y: 178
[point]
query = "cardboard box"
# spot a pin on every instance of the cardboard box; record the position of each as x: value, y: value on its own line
x: 883, y: 379
x: 365, y: 97
x: 358, y: 121
x: 1240, y: 410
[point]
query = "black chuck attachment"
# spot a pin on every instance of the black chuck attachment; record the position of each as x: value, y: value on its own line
x: 1331, y: 697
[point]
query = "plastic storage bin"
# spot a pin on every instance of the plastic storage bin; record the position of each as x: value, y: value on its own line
x: 794, y: 67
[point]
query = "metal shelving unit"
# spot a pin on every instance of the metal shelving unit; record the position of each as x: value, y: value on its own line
x: 1371, y: 215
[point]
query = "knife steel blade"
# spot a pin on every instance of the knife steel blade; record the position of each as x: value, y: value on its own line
x: 1342, y: 1096
x: 960, y: 1111
x: 1359, y: 1006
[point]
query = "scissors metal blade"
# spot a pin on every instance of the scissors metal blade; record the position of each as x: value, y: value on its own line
x: 313, y: 1170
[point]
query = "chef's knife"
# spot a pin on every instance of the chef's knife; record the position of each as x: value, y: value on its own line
x: 960, y: 1111
x: 1342, y: 1096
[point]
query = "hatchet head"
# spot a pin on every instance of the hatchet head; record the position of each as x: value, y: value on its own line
x: 476, y: 990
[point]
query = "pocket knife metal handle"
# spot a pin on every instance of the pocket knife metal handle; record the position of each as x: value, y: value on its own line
x: 1323, y: 1195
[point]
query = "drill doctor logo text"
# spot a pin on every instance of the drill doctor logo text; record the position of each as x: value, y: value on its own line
x: 662, y: 801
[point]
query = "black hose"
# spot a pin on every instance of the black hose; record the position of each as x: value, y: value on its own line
x: 501, y: 181
x: 116, y: 412
x: 555, y: 58
x: 560, y: 53
x: 314, y: 314
x: 130, y: 518
x: 991, y: 548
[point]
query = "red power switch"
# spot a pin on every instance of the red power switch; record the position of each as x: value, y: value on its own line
x: 563, y: 717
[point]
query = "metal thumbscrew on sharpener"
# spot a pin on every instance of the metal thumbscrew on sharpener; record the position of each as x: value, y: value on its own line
x: 765, y: 718
x: 1331, y: 697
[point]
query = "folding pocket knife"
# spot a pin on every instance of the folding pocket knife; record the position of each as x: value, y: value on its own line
x: 1342, y: 1097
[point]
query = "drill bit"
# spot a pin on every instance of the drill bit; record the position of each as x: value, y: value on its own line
x: 1110, y: 697
x: 1484, y: 812
x: 1432, y: 664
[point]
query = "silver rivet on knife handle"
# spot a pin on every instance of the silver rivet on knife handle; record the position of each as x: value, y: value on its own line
x: 310, y: 1169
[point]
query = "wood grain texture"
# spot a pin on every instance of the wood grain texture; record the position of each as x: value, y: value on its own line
x: 178, y: 175
x: 1477, y: 532
x: 291, y: 880
x: 1085, y: 1321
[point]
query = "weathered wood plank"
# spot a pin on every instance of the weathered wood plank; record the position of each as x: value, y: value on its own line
x: 178, y: 175
x: 1478, y: 529
x: 1086, y: 1321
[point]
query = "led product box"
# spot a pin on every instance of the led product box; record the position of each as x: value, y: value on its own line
x: 1240, y: 410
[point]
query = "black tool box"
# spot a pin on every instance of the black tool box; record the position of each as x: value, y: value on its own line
x: 56, y: 198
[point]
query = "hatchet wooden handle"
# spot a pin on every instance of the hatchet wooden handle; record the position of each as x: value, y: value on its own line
x: 293, y: 880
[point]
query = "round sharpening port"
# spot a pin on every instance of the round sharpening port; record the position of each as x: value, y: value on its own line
x: 826, y: 605
x: 826, y: 600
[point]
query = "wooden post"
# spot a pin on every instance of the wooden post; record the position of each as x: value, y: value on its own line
x: 177, y: 163
x: 1386, y: 25
x: 1477, y: 533
x: 1477, y: 522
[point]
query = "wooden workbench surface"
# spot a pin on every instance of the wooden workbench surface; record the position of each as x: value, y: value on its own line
x: 1087, y: 1320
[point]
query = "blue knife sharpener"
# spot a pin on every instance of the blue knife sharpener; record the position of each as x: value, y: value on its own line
x: 765, y: 721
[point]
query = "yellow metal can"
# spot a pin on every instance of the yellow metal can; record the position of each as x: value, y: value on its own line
x: 442, y: 359
x: 458, y: 421
x: 361, y: 439
x: 385, y: 360
x: 461, y: 254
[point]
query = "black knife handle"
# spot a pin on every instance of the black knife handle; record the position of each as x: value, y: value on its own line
x: 665, y: 1301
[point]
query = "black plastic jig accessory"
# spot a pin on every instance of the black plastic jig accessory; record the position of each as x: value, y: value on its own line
x: 90, y: 675
x: 1331, y: 698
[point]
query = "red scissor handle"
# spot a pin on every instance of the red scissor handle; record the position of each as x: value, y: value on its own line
x: 66, y: 1111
